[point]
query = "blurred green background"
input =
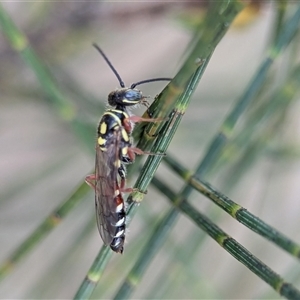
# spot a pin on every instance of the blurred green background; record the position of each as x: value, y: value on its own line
x: 43, y: 160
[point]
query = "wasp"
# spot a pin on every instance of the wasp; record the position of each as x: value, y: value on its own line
x: 113, y: 150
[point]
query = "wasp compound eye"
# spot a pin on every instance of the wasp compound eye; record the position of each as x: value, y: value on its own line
x: 133, y: 96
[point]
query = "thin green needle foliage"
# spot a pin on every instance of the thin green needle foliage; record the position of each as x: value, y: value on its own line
x: 281, y: 11
x: 288, y: 32
x: 65, y: 108
x: 284, y: 288
x: 67, y: 111
x: 52, y: 221
x: 235, y: 210
x: 151, y: 248
x: 94, y: 274
x: 255, y: 135
x: 205, y: 39
x: 241, y: 254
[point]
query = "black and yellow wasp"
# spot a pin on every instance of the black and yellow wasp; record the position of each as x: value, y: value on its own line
x: 113, y: 150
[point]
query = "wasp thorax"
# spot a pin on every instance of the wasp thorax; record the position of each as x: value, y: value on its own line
x: 125, y: 97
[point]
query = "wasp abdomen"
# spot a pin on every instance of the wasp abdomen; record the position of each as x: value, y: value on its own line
x: 119, y: 235
x: 117, y: 244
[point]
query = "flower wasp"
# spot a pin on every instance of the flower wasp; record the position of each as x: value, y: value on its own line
x: 113, y: 150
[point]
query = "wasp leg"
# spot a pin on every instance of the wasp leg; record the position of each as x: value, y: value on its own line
x: 123, y: 189
x: 90, y: 180
x: 122, y: 174
x: 133, y: 150
x: 137, y: 119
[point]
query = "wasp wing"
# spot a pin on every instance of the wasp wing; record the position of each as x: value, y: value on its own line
x: 107, y: 187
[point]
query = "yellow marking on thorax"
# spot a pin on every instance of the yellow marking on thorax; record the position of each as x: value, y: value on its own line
x: 103, y: 128
x: 101, y: 141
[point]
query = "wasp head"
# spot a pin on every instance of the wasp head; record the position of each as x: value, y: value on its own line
x: 125, y: 97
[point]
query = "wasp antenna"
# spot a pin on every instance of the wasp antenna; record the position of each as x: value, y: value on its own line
x: 122, y: 84
x: 149, y: 80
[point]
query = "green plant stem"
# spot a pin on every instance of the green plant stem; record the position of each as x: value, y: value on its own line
x: 94, y: 274
x: 281, y: 6
x: 150, y: 250
x: 217, y: 145
x: 255, y: 135
x: 240, y: 253
x: 235, y: 210
x: 43, y: 229
x: 66, y: 110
